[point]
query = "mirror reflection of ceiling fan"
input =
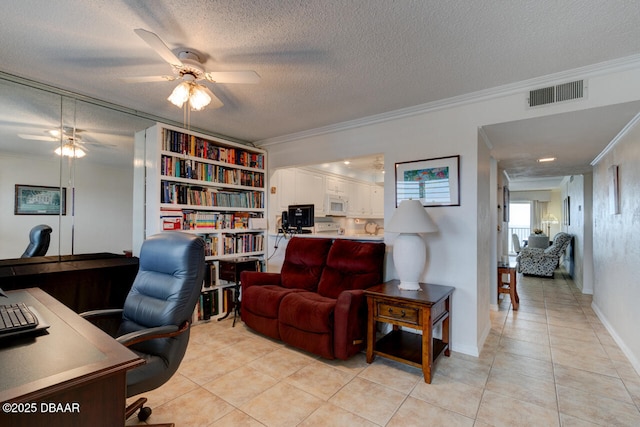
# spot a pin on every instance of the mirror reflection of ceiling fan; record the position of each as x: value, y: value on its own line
x: 188, y: 67
x: 72, y: 143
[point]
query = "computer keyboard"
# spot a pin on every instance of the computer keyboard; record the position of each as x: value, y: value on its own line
x: 16, y: 317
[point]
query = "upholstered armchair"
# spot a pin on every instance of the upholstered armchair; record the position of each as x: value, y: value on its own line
x: 543, y: 262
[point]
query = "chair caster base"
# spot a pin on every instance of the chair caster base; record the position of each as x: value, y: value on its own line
x: 144, y: 413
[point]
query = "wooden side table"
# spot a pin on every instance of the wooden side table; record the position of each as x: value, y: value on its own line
x: 421, y: 310
x: 229, y: 270
x: 510, y: 287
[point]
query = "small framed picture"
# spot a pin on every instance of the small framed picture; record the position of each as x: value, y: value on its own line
x: 614, y: 190
x: 40, y: 200
x: 435, y: 182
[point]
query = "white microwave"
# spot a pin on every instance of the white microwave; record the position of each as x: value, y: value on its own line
x: 336, y: 205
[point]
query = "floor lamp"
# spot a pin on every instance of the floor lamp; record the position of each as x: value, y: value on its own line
x: 547, y: 220
x: 409, y: 251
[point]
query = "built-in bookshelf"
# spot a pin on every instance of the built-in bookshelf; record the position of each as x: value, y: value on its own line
x: 206, y: 185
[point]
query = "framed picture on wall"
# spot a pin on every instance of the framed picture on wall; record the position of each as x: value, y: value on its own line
x: 614, y: 191
x: 505, y: 203
x: 566, y: 211
x: 435, y: 182
x: 40, y: 200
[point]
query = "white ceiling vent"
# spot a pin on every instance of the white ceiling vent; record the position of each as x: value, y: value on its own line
x: 558, y: 93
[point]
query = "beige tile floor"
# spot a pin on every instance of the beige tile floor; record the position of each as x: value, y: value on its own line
x: 550, y: 363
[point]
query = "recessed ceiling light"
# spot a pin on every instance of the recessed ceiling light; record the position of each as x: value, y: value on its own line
x: 546, y: 159
x: 347, y: 162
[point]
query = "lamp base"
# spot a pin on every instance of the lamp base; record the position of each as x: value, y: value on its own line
x: 409, y: 286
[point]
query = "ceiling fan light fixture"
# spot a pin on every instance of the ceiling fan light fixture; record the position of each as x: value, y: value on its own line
x: 191, y: 92
x: 199, y: 98
x: 180, y: 94
x: 70, y: 150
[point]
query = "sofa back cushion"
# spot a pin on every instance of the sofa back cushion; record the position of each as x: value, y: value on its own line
x: 351, y: 265
x: 304, y: 261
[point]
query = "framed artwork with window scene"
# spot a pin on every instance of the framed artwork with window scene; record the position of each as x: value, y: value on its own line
x: 435, y: 182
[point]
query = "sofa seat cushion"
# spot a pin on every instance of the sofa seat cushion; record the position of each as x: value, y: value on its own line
x: 265, y: 300
x: 304, y: 262
x: 351, y: 265
x: 307, y: 311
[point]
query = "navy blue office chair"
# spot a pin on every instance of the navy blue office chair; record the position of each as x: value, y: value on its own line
x: 39, y: 238
x: 156, y: 317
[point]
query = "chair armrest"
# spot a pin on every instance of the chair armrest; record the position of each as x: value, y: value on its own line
x: 350, y: 323
x: 96, y: 314
x: 136, y: 337
x: 530, y: 252
x: 259, y: 278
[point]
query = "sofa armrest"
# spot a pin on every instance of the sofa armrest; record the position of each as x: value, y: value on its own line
x: 259, y: 278
x: 350, y: 317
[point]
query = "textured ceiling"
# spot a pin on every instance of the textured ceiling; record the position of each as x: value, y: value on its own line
x: 321, y: 62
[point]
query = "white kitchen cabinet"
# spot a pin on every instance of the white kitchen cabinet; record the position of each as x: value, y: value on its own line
x: 377, y: 201
x: 310, y: 189
x: 359, y: 199
x: 286, y: 188
x: 335, y: 186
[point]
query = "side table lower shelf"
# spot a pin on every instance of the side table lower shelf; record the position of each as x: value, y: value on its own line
x: 406, y: 347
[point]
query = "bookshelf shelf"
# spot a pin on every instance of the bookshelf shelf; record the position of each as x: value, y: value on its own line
x: 184, y: 178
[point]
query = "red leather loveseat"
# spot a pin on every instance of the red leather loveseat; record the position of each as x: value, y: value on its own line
x: 316, y: 302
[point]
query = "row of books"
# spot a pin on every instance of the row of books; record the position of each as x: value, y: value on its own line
x: 184, y: 194
x: 210, y: 245
x: 191, y: 169
x: 179, y: 142
x: 208, y: 304
x: 242, y: 243
x: 194, y: 220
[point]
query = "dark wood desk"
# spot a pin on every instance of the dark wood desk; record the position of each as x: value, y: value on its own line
x: 74, y: 365
x: 420, y: 310
x: 81, y: 282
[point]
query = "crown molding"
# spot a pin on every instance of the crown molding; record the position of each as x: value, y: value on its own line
x: 625, y: 130
x: 608, y: 67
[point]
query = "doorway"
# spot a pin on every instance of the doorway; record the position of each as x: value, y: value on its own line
x: 519, y: 223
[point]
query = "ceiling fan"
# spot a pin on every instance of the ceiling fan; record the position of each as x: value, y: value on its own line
x: 73, y: 144
x: 187, y: 66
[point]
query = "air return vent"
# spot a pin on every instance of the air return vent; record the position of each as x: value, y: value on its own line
x: 558, y: 93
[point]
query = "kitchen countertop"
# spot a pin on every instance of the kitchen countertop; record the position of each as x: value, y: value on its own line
x: 369, y: 237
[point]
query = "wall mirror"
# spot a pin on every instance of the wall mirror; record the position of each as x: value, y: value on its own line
x: 35, y: 120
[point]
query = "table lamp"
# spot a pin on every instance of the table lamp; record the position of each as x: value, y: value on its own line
x: 409, y: 251
x: 547, y: 220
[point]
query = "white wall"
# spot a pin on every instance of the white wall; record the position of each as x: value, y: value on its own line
x: 579, y: 189
x: 617, y: 252
x: 102, y: 221
x: 453, y: 252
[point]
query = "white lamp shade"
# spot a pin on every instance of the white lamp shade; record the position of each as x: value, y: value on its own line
x: 411, y: 217
x: 180, y: 94
x: 199, y: 98
x: 409, y: 251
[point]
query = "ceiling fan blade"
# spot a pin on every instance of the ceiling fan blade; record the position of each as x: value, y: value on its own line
x: 158, y: 45
x: 148, y: 79
x: 215, y: 101
x: 233, y: 77
x: 36, y: 137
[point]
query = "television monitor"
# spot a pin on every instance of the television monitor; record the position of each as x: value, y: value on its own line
x: 301, y: 216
